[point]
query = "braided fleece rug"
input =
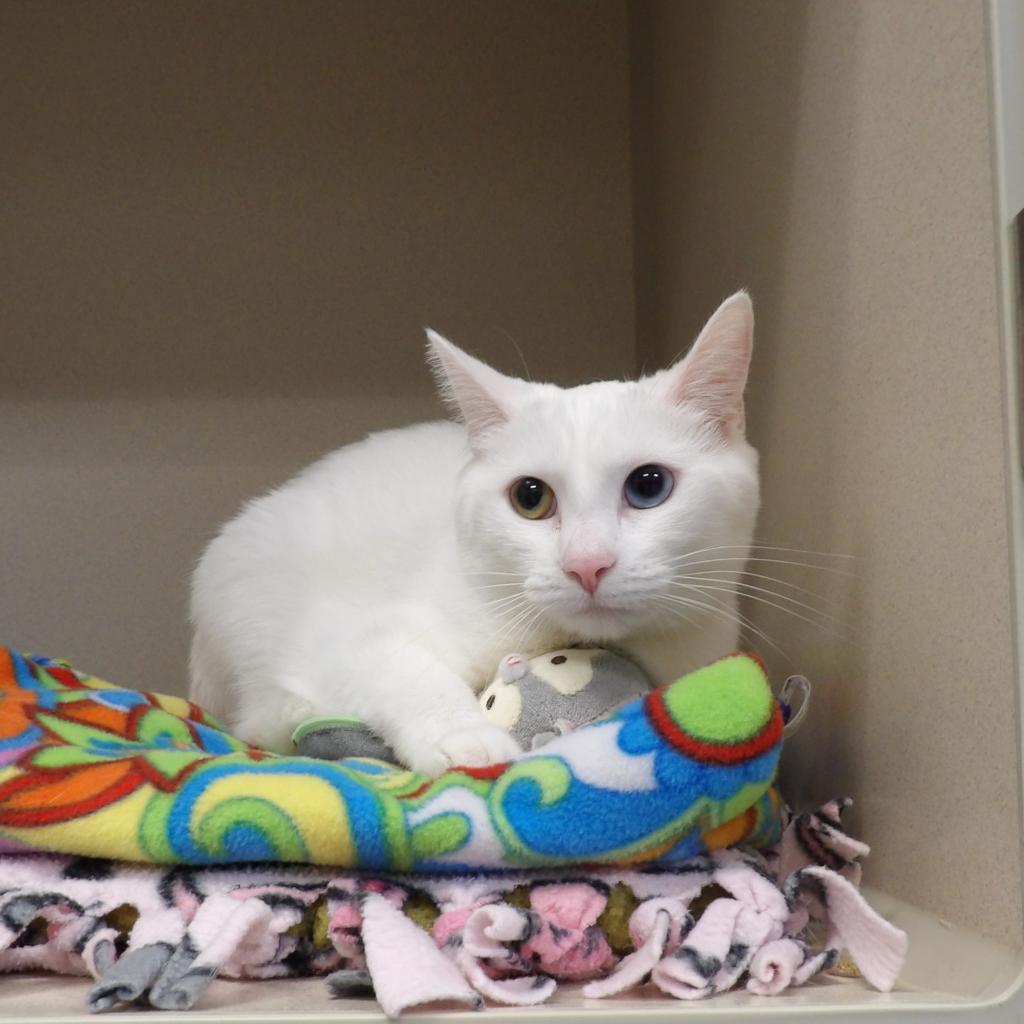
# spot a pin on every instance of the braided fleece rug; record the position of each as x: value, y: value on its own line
x: 763, y: 920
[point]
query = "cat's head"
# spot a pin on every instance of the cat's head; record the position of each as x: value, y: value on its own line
x: 586, y: 503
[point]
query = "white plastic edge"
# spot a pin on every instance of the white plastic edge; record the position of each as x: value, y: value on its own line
x: 1005, y: 26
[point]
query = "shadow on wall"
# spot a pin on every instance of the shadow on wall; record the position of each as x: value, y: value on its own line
x: 727, y: 194
x: 225, y: 226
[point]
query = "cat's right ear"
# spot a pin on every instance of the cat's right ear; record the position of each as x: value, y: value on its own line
x: 481, y: 397
x: 713, y: 374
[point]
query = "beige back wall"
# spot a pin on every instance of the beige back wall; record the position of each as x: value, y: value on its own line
x: 223, y: 228
x: 835, y: 159
x: 223, y: 225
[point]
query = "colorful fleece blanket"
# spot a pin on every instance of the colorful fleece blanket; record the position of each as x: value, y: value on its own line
x: 88, y: 768
x: 763, y: 921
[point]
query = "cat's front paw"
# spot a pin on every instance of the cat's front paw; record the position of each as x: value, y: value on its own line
x: 468, y: 746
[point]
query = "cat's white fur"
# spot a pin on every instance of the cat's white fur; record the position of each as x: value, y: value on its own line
x: 388, y: 579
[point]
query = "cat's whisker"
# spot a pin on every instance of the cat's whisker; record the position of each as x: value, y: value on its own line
x: 519, y: 638
x: 492, y: 586
x: 722, y: 609
x: 740, y: 551
x: 505, y: 636
x: 771, y: 579
x: 491, y: 572
x: 677, y: 612
x: 827, y: 623
x: 531, y: 627
x: 728, y: 616
x: 523, y: 615
x: 751, y: 627
x: 506, y: 604
x: 509, y: 604
x: 750, y: 590
x: 754, y: 546
x: 669, y: 601
x: 761, y: 545
x: 731, y: 615
x: 726, y: 561
x: 744, y: 560
x: 501, y: 597
x: 803, y: 618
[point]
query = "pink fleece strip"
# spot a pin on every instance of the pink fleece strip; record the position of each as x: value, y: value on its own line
x: 406, y: 966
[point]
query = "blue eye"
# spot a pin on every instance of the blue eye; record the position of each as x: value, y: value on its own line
x: 648, y: 486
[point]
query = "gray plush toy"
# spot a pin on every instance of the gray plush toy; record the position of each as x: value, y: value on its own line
x: 540, y: 698
x: 535, y: 699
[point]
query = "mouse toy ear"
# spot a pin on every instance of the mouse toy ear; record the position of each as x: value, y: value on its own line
x: 512, y: 667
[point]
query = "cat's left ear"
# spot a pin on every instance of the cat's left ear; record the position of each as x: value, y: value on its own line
x: 480, y: 396
x: 713, y: 374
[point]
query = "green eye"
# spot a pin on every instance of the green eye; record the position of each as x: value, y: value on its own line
x: 532, y: 498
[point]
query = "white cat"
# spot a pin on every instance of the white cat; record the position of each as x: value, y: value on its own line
x: 386, y: 581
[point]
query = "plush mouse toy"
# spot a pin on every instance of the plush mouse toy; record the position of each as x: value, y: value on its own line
x: 540, y: 698
x: 535, y: 699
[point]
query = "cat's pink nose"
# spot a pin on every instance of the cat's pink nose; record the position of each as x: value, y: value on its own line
x: 588, y: 571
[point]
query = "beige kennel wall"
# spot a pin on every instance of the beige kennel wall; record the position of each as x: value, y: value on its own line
x: 835, y: 158
x: 223, y: 226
